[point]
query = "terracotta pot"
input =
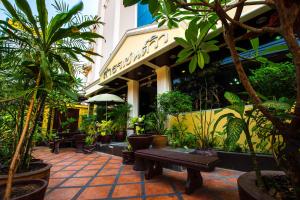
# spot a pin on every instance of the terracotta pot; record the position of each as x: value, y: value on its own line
x: 160, y: 141
x: 128, y: 157
x: 42, y: 171
x: 120, y: 136
x: 247, y: 186
x: 142, y: 141
x: 37, y: 194
x: 106, y: 139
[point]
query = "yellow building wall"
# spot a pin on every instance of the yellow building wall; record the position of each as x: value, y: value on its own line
x: 188, y: 121
x: 83, y: 110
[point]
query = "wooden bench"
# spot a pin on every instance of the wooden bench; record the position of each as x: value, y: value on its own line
x: 153, y: 159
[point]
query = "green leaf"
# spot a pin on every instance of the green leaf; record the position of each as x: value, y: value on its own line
x: 127, y: 3
x: 43, y: 15
x: 200, y: 60
x: 184, y: 54
x: 60, y: 19
x: 232, y: 98
x: 191, y: 33
x: 228, y: 115
x: 182, y: 42
x: 153, y: 6
x: 276, y: 105
x: 193, y: 64
x: 46, y: 71
x: 238, y: 107
x: 206, y: 57
x: 162, y: 22
x: 234, y: 128
x: 255, y: 43
x: 24, y: 6
x: 64, y: 65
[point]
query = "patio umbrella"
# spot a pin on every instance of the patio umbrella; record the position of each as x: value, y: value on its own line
x: 105, y: 98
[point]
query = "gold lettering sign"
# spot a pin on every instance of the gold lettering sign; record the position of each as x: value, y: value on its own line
x: 152, y: 43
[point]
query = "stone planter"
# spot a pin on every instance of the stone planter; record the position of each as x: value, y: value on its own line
x: 40, y: 171
x: 160, y: 141
x: 37, y: 193
x: 247, y: 186
x: 138, y: 142
x: 142, y: 141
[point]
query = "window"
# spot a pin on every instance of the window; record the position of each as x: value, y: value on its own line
x: 144, y: 16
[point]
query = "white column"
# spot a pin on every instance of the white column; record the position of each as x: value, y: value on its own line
x: 133, y: 97
x: 163, y: 80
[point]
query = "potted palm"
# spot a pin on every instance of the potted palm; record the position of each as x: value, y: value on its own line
x: 44, y: 57
x: 119, y: 116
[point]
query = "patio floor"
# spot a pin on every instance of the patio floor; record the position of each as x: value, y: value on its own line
x: 102, y: 176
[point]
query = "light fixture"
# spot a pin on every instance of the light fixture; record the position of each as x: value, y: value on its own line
x: 183, y: 71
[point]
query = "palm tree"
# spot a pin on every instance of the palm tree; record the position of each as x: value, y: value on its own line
x: 45, y: 48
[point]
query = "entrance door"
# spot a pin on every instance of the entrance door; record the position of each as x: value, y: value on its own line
x: 147, y: 98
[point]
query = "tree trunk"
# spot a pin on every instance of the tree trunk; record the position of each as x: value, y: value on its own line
x: 16, y: 157
x: 288, y: 12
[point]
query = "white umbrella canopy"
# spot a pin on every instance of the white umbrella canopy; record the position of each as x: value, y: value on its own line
x: 105, y: 98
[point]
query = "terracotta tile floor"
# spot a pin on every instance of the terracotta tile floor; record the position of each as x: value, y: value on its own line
x: 102, y: 176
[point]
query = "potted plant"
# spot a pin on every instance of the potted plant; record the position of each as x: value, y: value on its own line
x: 104, y: 130
x: 27, y: 189
x: 175, y: 103
x: 89, y: 145
x: 155, y: 121
x: 87, y: 126
x: 119, y: 116
x: 139, y: 140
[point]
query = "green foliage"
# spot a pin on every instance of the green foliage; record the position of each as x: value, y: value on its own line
x: 88, y: 122
x: 156, y: 121
x: 137, y: 123
x: 104, y: 127
x: 174, y: 103
x: 275, y: 80
x: 119, y: 115
x: 68, y: 122
x: 89, y: 140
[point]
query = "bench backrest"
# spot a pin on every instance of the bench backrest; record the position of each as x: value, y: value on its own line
x: 193, y: 161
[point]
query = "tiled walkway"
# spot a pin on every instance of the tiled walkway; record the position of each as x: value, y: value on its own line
x: 102, y: 176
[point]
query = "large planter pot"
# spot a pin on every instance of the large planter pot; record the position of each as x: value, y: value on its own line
x: 120, y: 136
x: 248, y: 189
x: 140, y: 141
x: 39, y: 171
x: 79, y: 140
x: 160, y: 141
x: 106, y: 139
x: 27, y: 189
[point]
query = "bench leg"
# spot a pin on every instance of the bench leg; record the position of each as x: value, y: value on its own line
x: 152, y: 169
x: 194, y: 181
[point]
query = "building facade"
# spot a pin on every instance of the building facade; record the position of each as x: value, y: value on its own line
x: 139, y: 59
